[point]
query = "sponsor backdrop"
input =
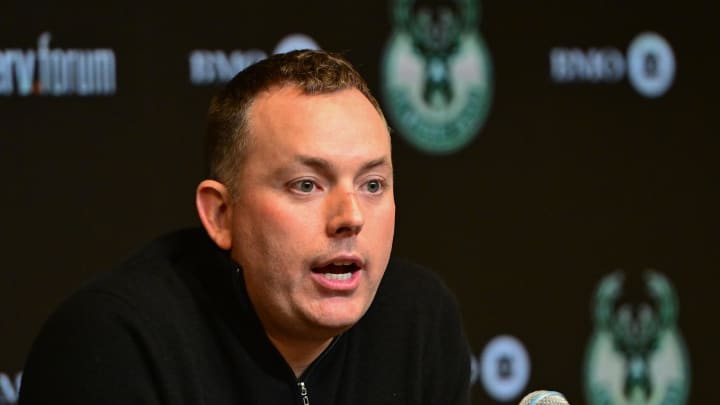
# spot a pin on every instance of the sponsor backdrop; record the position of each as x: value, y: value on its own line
x: 556, y: 165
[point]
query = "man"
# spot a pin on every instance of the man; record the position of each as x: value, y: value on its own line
x: 279, y: 299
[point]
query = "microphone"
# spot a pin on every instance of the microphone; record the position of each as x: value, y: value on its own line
x: 544, y: 397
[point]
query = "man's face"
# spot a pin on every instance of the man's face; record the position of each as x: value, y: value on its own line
x: 314, y: 216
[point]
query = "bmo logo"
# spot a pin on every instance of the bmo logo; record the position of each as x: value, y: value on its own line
x: 648, y: 65
x: 214, y: 67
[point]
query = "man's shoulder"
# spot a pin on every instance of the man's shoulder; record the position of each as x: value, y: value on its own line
x: 153, y: 263
x: 415, y: 316
x: 169, y: 249
x: 154, y: 279
x: 139, y: 316
x: 409, y: 288
x: 407, y: 276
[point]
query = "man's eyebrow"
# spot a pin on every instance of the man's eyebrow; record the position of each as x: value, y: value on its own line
x: 324, y: 165
x: 381, y: 161
x: 314, y: 162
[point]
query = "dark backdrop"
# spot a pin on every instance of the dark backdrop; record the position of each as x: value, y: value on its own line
x: 564, y: 183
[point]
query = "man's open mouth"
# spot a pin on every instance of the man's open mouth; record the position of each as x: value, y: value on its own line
x: 338, y: 269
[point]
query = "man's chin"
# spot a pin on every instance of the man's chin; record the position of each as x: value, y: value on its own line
x: 339, y: 318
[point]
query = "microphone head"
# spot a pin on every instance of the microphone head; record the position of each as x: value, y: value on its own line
x: 544, y: 397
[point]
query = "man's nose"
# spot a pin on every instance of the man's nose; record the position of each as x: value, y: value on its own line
x: 346, y: 217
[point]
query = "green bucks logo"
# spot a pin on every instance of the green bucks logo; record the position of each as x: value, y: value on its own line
x: 636, y: 354
x: 436, y: 74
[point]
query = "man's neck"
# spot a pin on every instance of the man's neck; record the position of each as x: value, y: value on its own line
x: 299, y: 354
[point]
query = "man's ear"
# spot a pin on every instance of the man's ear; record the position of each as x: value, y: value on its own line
x: 214, y: 205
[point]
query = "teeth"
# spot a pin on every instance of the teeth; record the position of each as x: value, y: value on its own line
x: 343, y: 263
x: 341, y: 276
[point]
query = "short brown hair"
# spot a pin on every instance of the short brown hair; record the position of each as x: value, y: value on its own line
x: 313, y: 72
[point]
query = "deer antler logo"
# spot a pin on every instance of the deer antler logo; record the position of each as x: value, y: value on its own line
x: 436, y: 74
x: 636, y: 354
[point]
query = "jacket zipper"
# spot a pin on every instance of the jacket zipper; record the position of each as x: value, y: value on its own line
x: 300, y: 381
x: 303, y: 393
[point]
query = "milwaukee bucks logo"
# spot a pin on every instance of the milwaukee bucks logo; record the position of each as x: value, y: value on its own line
x: 436, y: 74
x: 636, y: 354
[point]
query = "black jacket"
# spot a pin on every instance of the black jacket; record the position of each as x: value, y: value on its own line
x: 173, y: 325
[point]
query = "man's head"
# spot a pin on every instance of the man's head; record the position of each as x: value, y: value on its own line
x: 313, y: 72
x: 302, y: 194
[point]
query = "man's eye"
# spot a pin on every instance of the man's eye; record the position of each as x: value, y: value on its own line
x: 374, y: 186
x: 304, y: 186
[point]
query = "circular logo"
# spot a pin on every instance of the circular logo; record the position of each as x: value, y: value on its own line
x: 436, y: 75
x: 293, y: 42
x: 651, y: 64
x: 505, y: 368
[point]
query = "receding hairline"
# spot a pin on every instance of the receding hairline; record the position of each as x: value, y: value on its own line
x: 300, y: 90
x: 266, y: 92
